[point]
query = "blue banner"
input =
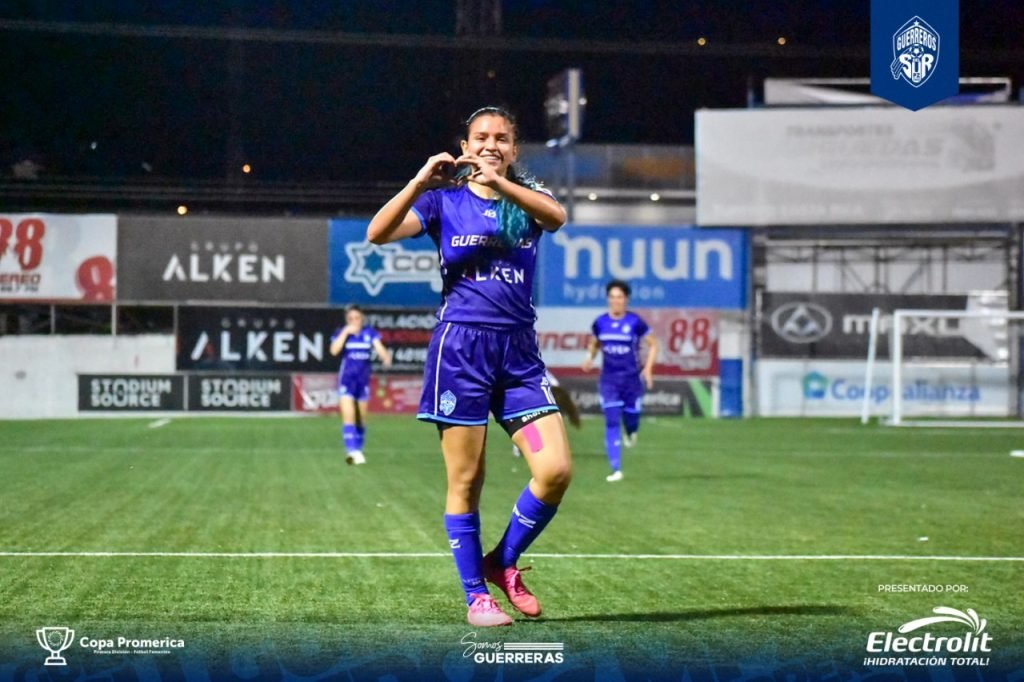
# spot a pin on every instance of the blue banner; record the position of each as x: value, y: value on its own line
x: 678, y: 267
x: 915, y: 51
x: 404, y: 273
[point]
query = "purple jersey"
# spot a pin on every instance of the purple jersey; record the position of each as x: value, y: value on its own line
x: 485, y: 280
x: 355, y: 355
x: 620, y: 345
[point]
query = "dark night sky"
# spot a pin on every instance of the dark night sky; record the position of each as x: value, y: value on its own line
x: 331, y: 112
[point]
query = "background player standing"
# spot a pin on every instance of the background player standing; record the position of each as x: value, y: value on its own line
x: 354, y: 342
x: 617, y: 334
x: 483, y: 356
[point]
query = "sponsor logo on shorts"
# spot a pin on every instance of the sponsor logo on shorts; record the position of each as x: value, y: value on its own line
x: 448, y: 401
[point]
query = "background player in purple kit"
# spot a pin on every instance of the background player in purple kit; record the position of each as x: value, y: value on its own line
x: 617, y: 334
x: 355, y: 343
x: 486, y: 217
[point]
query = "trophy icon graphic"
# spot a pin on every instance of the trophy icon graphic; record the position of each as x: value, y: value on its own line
x: 55, y: 640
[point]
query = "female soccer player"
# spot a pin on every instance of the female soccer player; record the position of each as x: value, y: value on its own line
x: 617, y: 334
x: 486, y: 218
x: 354, y: 342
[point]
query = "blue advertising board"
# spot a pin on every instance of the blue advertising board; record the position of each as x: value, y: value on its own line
x: 404, y: 273
x: 679, y: 267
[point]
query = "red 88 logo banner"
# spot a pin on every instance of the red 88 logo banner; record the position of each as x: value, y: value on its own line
x: 23, y: 245
x: 689, y: 340
x: 27, y: 238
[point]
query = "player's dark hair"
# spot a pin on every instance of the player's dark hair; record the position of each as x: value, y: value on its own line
x: 618, y: 284
x: 352, y: 307
x: 513, y: 223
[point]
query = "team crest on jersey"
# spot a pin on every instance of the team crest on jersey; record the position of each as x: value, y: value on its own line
x: 915, y: 52
x: 490, y: 213
x: 626, y: 328
x: 448, y: 401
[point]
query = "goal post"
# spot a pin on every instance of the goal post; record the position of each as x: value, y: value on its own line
x: 971, y: 379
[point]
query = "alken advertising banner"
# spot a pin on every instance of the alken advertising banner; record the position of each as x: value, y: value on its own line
x: 667, y: 267
x: 222, y: 259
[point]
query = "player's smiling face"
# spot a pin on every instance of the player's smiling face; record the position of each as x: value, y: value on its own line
x: 492, y: 138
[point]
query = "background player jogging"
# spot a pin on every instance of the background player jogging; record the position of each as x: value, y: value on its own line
x: 355, y: 343
x: 617, y: 334
x: 486, y: 219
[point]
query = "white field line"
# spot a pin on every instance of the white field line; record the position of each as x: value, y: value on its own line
x: 438, y: 555
x: 158, y: 423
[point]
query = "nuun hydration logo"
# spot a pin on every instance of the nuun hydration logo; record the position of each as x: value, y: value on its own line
x: 915, y: 50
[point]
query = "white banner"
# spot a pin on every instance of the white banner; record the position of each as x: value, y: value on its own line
x: 57, y: 257
x: 836, y: 389
x: 688, y: 339
x: 859, y: 165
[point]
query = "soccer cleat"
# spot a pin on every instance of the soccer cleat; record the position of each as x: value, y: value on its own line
x: 629, y: 440
x: 614, y: 476
x: 356, y: 457
x: 484, y: 612
x: 510, y: 581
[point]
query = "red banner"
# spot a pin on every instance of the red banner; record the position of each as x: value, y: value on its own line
x: 315, y: 393
x: 398, y: 393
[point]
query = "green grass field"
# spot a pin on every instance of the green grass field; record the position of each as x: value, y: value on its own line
x: 741, y: 499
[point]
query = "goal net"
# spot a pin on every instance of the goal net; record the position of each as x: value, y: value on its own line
x: 956, y: 368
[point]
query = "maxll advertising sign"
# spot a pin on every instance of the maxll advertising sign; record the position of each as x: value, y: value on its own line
x: 813, y: 325
x: 674, y: 267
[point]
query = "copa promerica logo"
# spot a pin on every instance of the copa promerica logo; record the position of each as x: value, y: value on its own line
x: 915, y: 51
x: 952, y: 646
x: 56, y: 639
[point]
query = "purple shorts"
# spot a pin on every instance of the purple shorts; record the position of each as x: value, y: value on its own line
x: 624, y: 392
x: 357, y: 388
x: 473, y: 371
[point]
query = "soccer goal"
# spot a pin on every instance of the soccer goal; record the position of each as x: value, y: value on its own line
x: 951, y: 367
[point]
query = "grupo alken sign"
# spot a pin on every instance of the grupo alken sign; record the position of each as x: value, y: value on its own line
x: 200, y: 259
x: 291, y: 339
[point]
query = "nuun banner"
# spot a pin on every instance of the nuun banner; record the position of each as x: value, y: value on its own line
x: 667, y: 267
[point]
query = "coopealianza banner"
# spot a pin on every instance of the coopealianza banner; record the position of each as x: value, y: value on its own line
x: 54, y: 257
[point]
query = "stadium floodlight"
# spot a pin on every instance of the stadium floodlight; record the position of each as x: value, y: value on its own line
x: 979, y: 388
x: 564, y: 107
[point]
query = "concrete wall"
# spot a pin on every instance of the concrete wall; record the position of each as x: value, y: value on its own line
x: 38, y: 374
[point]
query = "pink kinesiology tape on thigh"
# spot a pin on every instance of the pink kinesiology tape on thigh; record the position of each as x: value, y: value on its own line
x: 533, y: 438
